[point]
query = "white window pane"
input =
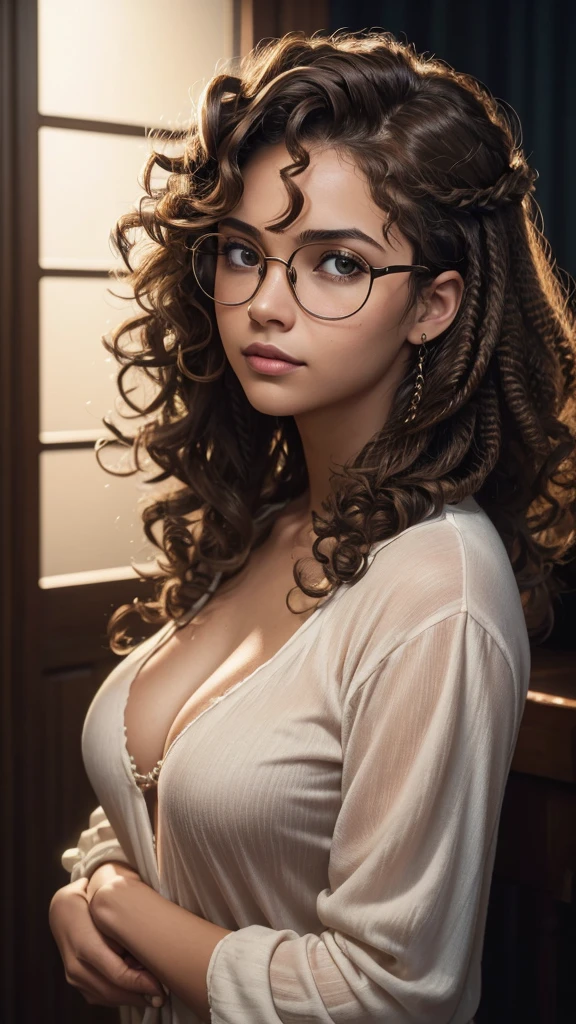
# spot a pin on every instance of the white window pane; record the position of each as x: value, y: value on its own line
x: 89, y: 518
x: 87, y: 180
x: 133, y: 62
x: 77, y: 374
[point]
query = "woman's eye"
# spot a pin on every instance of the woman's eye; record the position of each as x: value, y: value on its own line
x: 340, y: 265
x: 241, y: 256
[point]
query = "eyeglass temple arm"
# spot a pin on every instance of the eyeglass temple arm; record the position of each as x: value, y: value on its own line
x: 380, y: 271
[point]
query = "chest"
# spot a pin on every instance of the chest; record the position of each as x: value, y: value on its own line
x: 239, y: 629
x: 258, y: 779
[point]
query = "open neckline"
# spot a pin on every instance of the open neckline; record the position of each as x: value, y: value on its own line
x: 173, y: 625
x: 170, y: 628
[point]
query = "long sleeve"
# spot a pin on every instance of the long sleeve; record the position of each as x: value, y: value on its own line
x: 427, y: 740
x: 97, y: 844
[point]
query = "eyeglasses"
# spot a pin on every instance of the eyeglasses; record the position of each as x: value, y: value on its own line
x: 330, y: 283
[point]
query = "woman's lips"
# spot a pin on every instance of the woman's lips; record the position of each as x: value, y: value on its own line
x: 273, y: 367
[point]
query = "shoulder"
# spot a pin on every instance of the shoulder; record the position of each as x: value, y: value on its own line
x: 453, y: 563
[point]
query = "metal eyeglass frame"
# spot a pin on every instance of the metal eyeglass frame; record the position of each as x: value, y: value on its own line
x: 374, y: 273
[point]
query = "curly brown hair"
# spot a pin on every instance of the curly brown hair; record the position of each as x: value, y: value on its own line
x: 497, y: 416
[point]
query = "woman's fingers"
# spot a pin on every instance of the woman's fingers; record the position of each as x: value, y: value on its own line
x: 93, y: 962
x: 102, y: 990
x: 119, y: 970
x: 99, y: 991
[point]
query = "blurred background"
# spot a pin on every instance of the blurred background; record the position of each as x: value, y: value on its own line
x: 82, y: 88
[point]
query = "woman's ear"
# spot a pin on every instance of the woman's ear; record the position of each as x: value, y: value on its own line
x: 437, y: 307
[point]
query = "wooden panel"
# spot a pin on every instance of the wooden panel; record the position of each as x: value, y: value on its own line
x: 537, y: 836
x: 307, y: 15
x: 66, y: 801
x: 262, y: 19
x: 547, y: 740
x: 21, y: 750
x: 554, y: 670
x: 74, y: 620
x: 69, y: 796
x: 10, y: 641
x: 527, y: 961
x: 76, y: 658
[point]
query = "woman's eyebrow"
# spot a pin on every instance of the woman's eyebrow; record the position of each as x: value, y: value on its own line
x: 310, y: 235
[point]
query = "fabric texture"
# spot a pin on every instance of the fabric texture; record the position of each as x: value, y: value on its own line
x: 96, y: 845
x: 338, y: 808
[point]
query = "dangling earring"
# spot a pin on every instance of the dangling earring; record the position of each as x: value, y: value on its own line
x: 417, y: 395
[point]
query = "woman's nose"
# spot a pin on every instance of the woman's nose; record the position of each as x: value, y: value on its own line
x: 274, y: 301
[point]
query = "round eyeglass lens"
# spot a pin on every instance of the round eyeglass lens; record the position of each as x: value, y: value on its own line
x: 328, y: 281
x: 227, y: 270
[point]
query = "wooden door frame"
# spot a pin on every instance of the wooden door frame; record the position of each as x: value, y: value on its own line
x: 263, y: 19
x: 20, y: 723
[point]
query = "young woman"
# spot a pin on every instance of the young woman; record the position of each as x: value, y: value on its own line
x: 365, y: 363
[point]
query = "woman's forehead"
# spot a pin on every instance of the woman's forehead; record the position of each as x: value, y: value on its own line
x: 330, y: 174
x: 335, y: 190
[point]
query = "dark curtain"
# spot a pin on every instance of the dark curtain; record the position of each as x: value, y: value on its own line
x: 523, y: 50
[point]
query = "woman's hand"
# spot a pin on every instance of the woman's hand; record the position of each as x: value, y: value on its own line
x: 93, y: 962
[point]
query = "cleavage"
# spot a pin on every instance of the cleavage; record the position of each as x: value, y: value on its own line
x: 202, y: 661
